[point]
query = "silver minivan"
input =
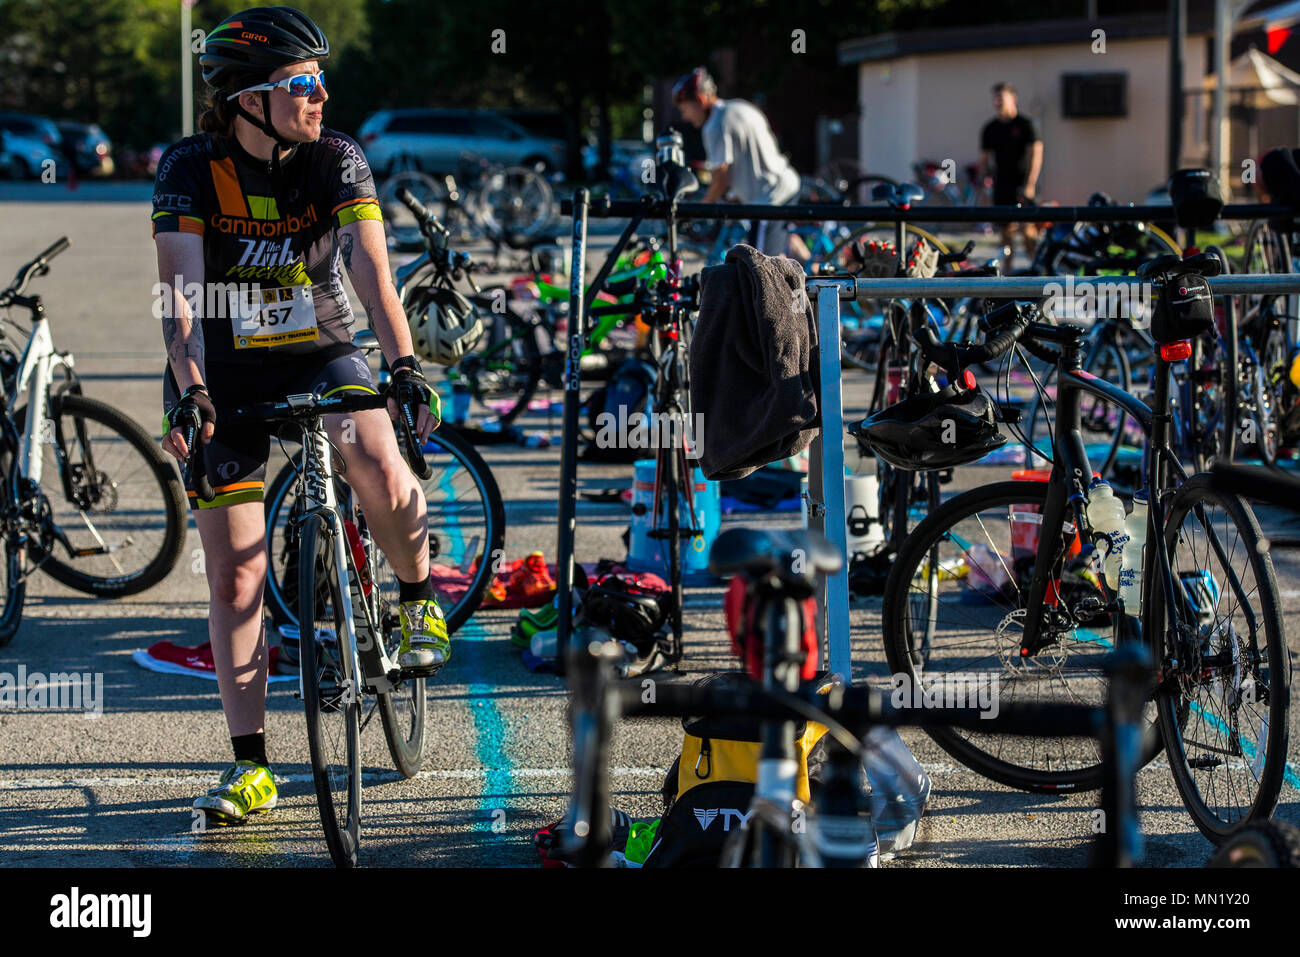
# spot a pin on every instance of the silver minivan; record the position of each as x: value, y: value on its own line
x: 443, y: 141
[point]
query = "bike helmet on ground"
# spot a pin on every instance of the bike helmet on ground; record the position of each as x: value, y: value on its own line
x: 937, y: 431
x: 693, y: 84
x: 256, y: 43
x: 445, y: 328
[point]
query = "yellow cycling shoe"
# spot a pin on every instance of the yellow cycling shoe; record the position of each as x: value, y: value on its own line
x: 245, y: 788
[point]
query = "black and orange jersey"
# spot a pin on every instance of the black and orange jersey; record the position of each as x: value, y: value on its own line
x: 266, y: 235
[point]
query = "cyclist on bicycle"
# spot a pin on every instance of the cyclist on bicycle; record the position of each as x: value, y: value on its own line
x: 264, y: 205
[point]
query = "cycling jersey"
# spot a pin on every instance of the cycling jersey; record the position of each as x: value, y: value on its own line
x: 274, y: 284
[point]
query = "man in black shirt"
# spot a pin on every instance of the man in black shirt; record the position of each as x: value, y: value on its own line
x: 1012, y: 151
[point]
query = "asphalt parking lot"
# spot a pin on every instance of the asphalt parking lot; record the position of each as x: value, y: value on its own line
x: 115, y: 790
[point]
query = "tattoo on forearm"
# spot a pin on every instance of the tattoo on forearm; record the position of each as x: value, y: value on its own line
x: 182, y: 347
x: 345, y: 243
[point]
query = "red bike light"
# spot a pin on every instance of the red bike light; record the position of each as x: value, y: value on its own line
x: 968, y: 380
x: 1176, y: 351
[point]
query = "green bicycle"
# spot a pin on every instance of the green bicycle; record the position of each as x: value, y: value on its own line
x: 523, y: 347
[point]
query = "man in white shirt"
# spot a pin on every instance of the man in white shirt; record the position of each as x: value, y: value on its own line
x: 742, y: 154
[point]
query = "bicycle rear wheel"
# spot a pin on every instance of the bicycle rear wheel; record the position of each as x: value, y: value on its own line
x: 953, y: 618
x: 1102, y: 423
x: 401, y: 710
x: 1224, y: 702
x: 330, y: 691
x: 505, y: 366
x: 114, y: 494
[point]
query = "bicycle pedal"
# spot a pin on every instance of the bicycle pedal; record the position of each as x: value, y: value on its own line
x: 410, y: 674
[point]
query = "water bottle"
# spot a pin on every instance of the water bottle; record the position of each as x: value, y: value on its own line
x: 1106, y: 516
x: 900, y: 789
x: 459, y: 402
x: 1130, y: 576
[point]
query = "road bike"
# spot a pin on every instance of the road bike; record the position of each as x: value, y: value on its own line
x: 1002, y: 579
x: 467, y: 524
x: 89, y: 496
x: 347, y: 615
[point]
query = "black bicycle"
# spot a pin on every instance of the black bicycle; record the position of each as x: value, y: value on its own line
x: 998, y: 581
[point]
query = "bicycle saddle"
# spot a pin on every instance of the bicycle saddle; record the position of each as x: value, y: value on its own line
x: 795, y: 556
x: 677, y: 181
x: 904, y: 194
x: 365, y: 340
x: 1162, y: 267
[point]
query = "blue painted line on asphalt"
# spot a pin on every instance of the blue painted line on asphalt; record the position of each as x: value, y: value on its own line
x: 489, y: 725
x: 1247, y: 745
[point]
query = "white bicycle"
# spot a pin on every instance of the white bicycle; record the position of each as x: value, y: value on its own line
x: 86, y: 494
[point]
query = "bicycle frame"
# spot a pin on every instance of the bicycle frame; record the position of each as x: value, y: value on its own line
x: 370, y: 660
x: 35, y: 374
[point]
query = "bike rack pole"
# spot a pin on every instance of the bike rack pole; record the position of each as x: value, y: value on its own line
x: 826, y: 505
x: 567, y: 519
x: 817, y: 212
x: 1040, y: 287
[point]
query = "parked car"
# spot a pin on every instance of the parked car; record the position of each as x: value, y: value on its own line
x: 438, y: 140
x: 92, y: 149
x: 26, y: 143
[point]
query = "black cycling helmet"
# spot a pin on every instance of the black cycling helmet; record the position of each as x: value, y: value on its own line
x: 937, y: 431
x: 256, y: 43
x: 693, y: 84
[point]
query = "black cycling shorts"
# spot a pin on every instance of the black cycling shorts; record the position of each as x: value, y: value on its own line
x: 237, y: 455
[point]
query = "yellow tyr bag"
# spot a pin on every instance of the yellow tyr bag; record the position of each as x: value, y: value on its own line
x: 709, y: 787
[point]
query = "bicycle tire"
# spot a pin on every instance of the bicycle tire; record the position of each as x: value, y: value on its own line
x: 1273, y: 844
x: 1219, y: 360
x: 164, y: 493
x: 504, y: 369
x: 329, y: 689
x: 514, y: 200
x: 1183, y: 718
x: 450, y: 517
x: 399, y: 222
x: 14, y: 581
x: 402, y: 711
x: 1052, y: 764
x: 1108, y: 360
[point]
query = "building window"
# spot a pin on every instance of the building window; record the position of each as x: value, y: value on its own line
x: 1094, y: 94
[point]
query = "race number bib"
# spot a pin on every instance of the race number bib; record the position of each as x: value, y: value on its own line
x: 273, y: 317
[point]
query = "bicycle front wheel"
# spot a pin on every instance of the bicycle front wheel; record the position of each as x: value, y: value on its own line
x: 13, y: 582
x: 331, y: 691
x: 114, y: 494
x: 954, y: 615
x: 1225, y: 697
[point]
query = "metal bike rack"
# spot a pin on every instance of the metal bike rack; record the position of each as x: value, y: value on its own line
x: 826, y: 505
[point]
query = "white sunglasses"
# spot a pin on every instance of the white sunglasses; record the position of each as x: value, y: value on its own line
x: 304, y: 84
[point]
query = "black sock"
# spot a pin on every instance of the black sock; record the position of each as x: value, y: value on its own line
x: 251, y: 747
x: 415, y: 591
